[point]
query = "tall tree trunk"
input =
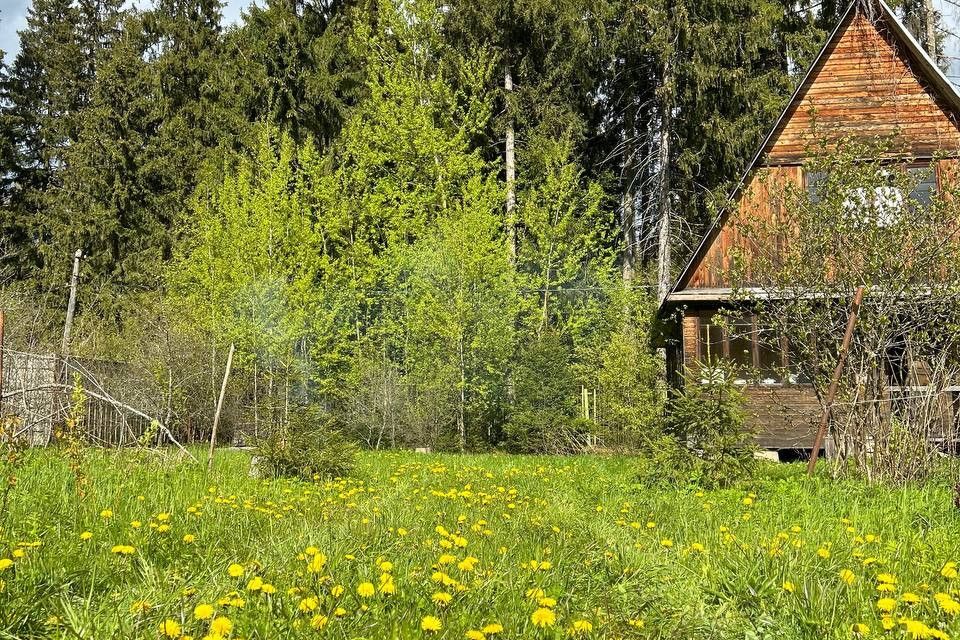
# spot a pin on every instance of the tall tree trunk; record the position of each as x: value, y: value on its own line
x: 930, y: 28
x: 663, y: 187
x: 627, y: 214
x: 510, y: 168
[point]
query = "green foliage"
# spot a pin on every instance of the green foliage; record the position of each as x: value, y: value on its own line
x: 543, y: 414
x: 307, y: 447
x: 706, y: 440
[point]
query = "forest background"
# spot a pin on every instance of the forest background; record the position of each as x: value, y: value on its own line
x: 426, y: 224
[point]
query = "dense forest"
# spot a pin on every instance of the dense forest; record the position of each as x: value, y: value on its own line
x: 434, y: 224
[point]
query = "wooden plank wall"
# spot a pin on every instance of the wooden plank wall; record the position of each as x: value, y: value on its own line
x: 757, y: 202
x: 865, y: 87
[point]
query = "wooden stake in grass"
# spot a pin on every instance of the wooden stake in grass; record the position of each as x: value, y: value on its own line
x: 71, y: 305
x: 835, y: 380
x: 216, y: 416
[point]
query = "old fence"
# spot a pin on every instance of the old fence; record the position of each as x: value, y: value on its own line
x: 37, y: 389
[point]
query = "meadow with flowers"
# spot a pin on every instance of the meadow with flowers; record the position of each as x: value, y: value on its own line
x: 475, y: 547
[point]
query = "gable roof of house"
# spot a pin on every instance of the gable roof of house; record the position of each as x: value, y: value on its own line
x: 922, y: 66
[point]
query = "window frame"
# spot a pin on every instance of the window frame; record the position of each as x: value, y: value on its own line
x: 932, y: 165
x: 782, y: 352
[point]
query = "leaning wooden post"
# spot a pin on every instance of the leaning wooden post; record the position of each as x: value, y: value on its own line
x: 71, y: 304
x: 835, y: 380
x: 216, y: 416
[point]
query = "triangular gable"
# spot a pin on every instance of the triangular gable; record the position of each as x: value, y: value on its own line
x: 871, y: 73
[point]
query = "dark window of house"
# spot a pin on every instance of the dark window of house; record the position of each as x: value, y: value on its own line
x: 886, y: 200
x: 815, y: 180
x: 927, y: 186
x: 769, y: 357
x: 896, y: 363
x: 711, y: 340
x: 742, y: 343
x: 796, y: 373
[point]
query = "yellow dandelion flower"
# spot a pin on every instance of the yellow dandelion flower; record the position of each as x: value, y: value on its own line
x: 255, y: 584
x: 475, y: 634
x: 860, y: 629
x: 366, y: 589
x: 170, y: 628
x: 847, y: 576
x: 203, y: 611
x: 189, y: 538
x: 543, y: 618
x: 789, y: 587
x: 441, y: 598
x: 949, y: 570
x: 886, y: 605
x: 308, y: 604
x: 221, y: 626
x: 947, y: 603
x: 431, y: 624
x: 582, y: 626
x: 235, y: 570
x: 493, y: 628
x: 316, y: 563
x: 140, y: 606
x: 86, y: 535
x: 318, y: 621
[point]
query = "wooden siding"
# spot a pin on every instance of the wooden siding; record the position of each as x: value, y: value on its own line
x: 756, y: 202
x: 865, y: 87
x: 782, y: 416
x: 691, y: 329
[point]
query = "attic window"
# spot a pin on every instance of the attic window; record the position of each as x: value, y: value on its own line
x: 881, y: 204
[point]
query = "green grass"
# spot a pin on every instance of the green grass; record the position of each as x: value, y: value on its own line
x: 584, y: 517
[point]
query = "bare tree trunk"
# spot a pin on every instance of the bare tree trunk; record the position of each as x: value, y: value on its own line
x: 627, y: 226
x: 510, y: 168
x: 663, y: 244
x: 930, y: 27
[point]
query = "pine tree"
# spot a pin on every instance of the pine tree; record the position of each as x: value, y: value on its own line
x: 292, y: 66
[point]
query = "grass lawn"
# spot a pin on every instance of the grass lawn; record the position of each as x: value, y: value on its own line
x: 416, y: 546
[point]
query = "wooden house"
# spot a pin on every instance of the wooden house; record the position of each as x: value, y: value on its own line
x: 870, y: 79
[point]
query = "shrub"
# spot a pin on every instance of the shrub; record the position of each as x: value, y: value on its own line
x: 307, y: 447
x: 542, y: 419
x: 707, y: 442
